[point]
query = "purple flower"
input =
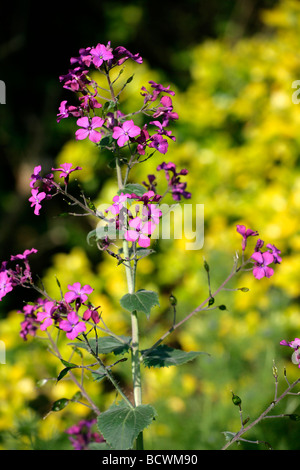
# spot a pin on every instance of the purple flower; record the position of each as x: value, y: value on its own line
x: 81, y: 434
x: 151, y: 212
x: 178, y: 188
x: 292, y: 344
x: 152, y: 183
x: 161, y: 88
x: 139, y: 231
x: 262, y: 260
x: 75, y: 80
x: 157, y: 90
x: 24, y: 255
x: 88, y: 128
x: 5, y: 284
x: 78, y: 293
x: 241, y: 229
x: 30, y: 324
x: 65, y: 111
x: 35, y: 175
x: 84, y: 59
x: 166, y: 111
x: 99, y: 54
x: 91, y: 313
x: 73, y: 326
x: 46, y: 316
x: 36, y: 199
x: 275, y: 252
x: 90, y: 102
x: 47, y: 181
x: 66, y: 169
x: 162, y: 131
x: 121, y: 54
x: 124, y: 132
x: 119, y: 203
x: 159, y: 143
x: 296, y: 346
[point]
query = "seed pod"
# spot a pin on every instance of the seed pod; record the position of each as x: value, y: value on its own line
x: 206, y: 266
x: 60, y: 404
x: 236, y: 399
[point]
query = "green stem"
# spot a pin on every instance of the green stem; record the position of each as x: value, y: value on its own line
x: 107, y: 372
x: 135, y: 353
x: 130, y: 275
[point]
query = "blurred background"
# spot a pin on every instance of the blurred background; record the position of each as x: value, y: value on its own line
x: 232, y: 65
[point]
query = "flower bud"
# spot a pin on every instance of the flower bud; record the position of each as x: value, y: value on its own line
x: 173, y: 300
x: 236, y: 399
x: 206, y: 266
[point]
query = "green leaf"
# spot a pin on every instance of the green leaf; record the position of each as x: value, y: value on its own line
x: 133, y: 188
x: 143, y: 252
x: 63, y: 373
x: 99, y: 374
x: 106, y: 141
x: 165, y: 356
x: 107, y: 344
x: 99, y: 446
x: 120, y: 425
x: 141, y: 301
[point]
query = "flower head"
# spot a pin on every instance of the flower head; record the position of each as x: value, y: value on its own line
x: 121, y: 54
x: 119, y: 202
x: 65, y: 111
x: 262, y: 261
x: 178, y: 188
x: 24, y: 255
x: 88, y: 127
x: 81, y: 434
x: 159, y: 143
x: 241, y: 229
x: 99, y: 54
x: 275, y: 252
x: 139, y: 231
x: 46, y: 315
x: 5, y: 284
x: 126, y: 131
x: 66, y: 169
x: 295, y: 345
x: 36, y: 199
x: 78, y: 293
x: 73, y: 325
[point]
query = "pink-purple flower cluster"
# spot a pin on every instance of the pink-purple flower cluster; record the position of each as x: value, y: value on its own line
x: 175, y: 185
x: 262, y: 260
x: 15, y: 272
x: 295, y: 345
x: 139, y: 223
x: 46, y: 188
x: 82, y: 435
x: 64, y: 314
x: 123, y: 131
